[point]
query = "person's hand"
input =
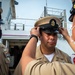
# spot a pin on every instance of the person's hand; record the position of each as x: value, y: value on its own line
x: 73, y: 1
x: 64, y: 32
x: 35, y: 31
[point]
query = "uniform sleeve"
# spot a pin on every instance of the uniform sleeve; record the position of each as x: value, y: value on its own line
x: 55, y: 68
x: 4, y: 68
x: 18, y: 70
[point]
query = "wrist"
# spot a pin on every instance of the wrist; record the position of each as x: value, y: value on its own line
x: 67, y: 37
x: 34, y: 37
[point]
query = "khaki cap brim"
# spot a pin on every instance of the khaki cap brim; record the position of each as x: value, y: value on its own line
x: 46, y: 20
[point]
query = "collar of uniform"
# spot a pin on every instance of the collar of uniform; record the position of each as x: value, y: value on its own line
x: 58, y: 55
x: 38, y: 52
x: 39, y: 55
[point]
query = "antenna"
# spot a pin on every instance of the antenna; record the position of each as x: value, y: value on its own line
x: 46, y: 3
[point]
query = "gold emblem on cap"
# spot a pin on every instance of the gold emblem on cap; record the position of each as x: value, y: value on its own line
x: 52, y: 23
x: 74, y: 6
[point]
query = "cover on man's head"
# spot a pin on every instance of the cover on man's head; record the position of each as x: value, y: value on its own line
x: 49, y: 24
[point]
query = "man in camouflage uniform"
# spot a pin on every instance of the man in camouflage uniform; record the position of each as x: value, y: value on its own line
x: 4, y: 58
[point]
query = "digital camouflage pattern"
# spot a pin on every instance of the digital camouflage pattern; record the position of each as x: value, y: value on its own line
x: 4, y: 60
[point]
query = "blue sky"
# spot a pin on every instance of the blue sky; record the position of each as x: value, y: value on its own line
x: 34, y: 8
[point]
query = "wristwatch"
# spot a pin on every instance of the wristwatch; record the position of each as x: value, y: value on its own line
x: 34, y: 36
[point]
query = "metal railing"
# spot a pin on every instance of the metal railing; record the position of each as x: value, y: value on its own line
x: 22, y: 24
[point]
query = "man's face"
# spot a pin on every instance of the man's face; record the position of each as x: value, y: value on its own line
x: 49, y: 40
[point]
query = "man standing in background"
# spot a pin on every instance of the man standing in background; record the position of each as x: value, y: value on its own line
x: 4, y: 54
